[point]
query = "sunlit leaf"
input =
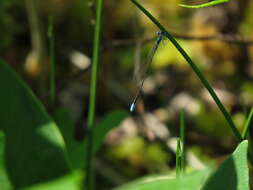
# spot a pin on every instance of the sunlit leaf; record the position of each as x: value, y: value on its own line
x: 233, y: 174
x: 4, y: 179
x: 71, y: 181
x: 34, y: 149
x: 77, y: 150
x: 191, y: 181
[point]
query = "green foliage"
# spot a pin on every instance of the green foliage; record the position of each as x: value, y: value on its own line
x: 247, y: 125
x: 32, y: 143
x: 179, y: 158
x: 93, y: 92
x: 36, y: 155
x: 182, y: 139
x: 232, y: 168
x: 194, y: 67
x: 192, y: 181
x: 77, y: 151
x: 5, y: 183
x: 180, y: 152
x: 34, y: 150
x: 212, y: 3
x: 72, y: 181
x: 233, y: 173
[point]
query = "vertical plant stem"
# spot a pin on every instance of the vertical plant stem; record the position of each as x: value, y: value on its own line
x: 195, y: 69
x: 178, y: 158
x: 50, y: 35
x: 93, y: 89
x: 38, y: 46
x: 247, y: 125
x: 182, y: 138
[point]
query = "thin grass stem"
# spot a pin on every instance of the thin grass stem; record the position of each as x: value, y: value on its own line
x: 178, y: 159
x: 93, y: 88
x: 199, y: 74
x: 182, y: 138
x: 50, y: 35
x: 247, y: 125
x: 195, y: 69
x: 38, y: 45
x: 208, y: 4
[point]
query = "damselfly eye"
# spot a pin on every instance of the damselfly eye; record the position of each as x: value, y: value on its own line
x: 159, y: 33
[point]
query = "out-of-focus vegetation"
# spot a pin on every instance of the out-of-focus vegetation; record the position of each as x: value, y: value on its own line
x: 219, y: 39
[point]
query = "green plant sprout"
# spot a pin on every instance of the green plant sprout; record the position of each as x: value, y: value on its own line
x: 179, y: 158
x: 212, y: 3
x: 180, y: 152
x: 182, y: 137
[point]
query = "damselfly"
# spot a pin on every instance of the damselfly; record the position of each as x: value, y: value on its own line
x: 144, y: 69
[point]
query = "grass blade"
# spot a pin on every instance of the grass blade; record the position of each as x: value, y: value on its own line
x: 199, y: 74
x: 247, y: 125
x: 212, y: 3
x: 93, y: 89
x: 195, y: 69
x: 182, y: 138
x: 179, y: 159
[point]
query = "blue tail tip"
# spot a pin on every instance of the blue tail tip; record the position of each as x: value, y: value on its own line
x: 132, y: 107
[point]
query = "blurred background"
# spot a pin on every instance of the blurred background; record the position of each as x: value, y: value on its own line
x: 217, y: 38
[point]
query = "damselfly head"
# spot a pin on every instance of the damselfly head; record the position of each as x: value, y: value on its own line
x: 159, y: 33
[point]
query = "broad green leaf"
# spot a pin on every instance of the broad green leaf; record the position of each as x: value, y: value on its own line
x: 5, y: 183
x: 34, y: 149
x: 71, y: 181
x: 77, y: 150
x: 212, y: 3
x: 233, y: 174
x: 191, y: 181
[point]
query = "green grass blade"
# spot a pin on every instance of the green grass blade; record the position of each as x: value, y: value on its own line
x: 195, y: 69
x: 178, y: 159
x: 247, y: 125
x: 50, y: 35
x: 93, y: 89
x: 182, y: 138
x: 212, y: 3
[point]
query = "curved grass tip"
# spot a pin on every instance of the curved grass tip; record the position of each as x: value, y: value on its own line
x: 212, y: 3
